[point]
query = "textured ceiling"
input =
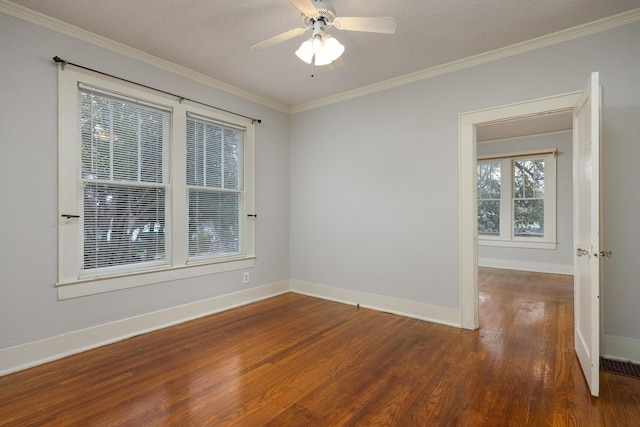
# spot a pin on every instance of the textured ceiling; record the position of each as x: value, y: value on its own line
x: 213, y: 37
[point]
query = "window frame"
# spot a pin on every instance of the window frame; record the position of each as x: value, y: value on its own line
x: 70, y: 283
x: 240, y: 190
x: 506, y: 236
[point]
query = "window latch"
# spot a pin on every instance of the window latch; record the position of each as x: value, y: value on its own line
x: 69, y: 216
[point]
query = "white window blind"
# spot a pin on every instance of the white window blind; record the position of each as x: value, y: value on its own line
x: 151, y: 189
x: 214, y: 174
x: 123, y: 183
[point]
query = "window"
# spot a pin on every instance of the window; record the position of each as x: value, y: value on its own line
x: 516, y: 200
x: 528, y: 198
x: 214, y: 179
x: 122, y: 183
x: 151, y: 189
x: 489, y: 198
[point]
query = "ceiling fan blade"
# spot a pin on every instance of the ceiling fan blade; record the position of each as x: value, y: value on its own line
x: 385, y: 25
x: 306, y: 7
x: 272, y: 41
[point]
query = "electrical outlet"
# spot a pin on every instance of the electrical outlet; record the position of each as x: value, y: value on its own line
x: 245, y: 277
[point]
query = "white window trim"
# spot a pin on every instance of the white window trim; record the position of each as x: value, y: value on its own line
x: 506, y: 237
x: 69, y: 284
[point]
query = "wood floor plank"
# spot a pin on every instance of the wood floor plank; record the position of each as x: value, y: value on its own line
x: 294, y: 360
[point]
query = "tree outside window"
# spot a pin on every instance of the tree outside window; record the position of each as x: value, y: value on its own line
x: 516, y: 198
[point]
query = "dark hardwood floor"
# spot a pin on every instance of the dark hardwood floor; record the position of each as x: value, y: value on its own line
x: 297, y: 361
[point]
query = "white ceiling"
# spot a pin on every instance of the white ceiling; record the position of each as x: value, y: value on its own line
x: 556, y: 121
x: 213, y: 37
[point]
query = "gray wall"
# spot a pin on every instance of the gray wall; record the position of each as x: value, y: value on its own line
x: 29, y: 309
x: 374, y: 197
x: 366, y: 201
x: 559, y: 260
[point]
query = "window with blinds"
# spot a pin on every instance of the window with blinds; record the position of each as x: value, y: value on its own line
x: 151, y: 188
x: 214, y: 175
x: 123, y: 180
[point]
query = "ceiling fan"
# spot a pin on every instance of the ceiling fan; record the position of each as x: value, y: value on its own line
x: 317, y: 16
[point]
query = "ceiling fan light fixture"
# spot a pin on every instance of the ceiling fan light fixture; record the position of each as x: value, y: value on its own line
x: 321, y: 49
x: 305, y: 51
x: 317, y: 16
x: 332, y: 49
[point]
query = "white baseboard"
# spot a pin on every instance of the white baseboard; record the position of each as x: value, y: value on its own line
x: 24, y: 356
x: 413, y: 309
x: 537, y: 267
x: 622, y: 349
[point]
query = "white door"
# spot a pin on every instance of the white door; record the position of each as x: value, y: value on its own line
x: 586, y: 217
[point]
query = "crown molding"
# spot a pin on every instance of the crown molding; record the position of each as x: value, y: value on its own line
x: 45, y: 21
x: 583, y: 30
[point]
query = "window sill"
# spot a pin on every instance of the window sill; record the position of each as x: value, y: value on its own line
x: 517, y: 244
x: 80, y: 288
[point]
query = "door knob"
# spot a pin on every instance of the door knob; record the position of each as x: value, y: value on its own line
x: 582, y: 252
x: 605, y: 254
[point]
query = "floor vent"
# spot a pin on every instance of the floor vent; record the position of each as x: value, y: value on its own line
x: 622, y: 368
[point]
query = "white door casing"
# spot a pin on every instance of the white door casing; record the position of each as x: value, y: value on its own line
x: 468, y: 219
x: 586, y: 234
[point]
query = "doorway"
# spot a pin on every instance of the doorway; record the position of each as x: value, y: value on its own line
x: 525, y: 193
x: 469, y: 124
